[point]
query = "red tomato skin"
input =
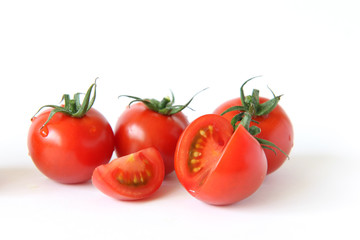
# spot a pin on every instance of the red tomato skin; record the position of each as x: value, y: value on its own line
x: 139, y: 127
x: 103, y: 178
x: 68, y: 149
x: 276, y: 127
x: 239, y: 171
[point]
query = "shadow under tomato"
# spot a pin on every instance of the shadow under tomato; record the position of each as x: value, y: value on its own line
x: 299, y: 178
x: 168, y: 187
x: 18, y: 179
x: 29, y: 180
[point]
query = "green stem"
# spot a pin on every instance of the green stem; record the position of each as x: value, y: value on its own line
x: 73, y: 107
x: 165, y: 106
x: 246, y: 120
x: 250, y: 108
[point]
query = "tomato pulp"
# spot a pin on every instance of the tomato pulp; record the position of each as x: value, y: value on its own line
x: 275, y: 127
x: 217, y: 165
x: 131, y: 177
x: 68, y: 149
x: 138, y: 128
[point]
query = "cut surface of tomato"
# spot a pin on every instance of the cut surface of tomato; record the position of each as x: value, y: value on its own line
x: 204, y: 146
x: 131, y: 177
x: 216, y: 164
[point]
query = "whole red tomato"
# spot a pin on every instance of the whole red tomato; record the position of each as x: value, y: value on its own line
x: 275, y: 127
x: 139, y: 127
x: 67, y: 149
x: 217, y: 165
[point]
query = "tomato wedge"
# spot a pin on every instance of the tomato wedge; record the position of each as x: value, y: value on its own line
x: 131, y: 177
x: 217, y: 165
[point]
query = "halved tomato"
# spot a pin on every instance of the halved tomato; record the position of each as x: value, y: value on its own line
x: 217, y: 165
x: 131, y: 177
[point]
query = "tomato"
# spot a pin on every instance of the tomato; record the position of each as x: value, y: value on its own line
x: 217, y: 165
x: 275, y: 127
x: 138, y: 127
x: 68, y: 149
x: 131, y: 177
x: 67, y: 142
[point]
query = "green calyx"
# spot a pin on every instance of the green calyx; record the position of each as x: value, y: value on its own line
x: 165, y: 106
x: 73, y: 107
x: 251, y: 107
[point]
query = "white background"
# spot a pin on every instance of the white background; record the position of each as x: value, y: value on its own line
x: 307, y: 50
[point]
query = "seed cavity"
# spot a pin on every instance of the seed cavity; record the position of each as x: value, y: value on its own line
x: 195, y: 161
x: 198, y: 146
x: 120, y: 177
x: 211, y: 129
x: 133, y: 177
x: 135, y: 180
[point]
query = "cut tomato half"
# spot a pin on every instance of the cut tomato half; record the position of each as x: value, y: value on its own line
x: 216, y: 164
x: 131, y: 177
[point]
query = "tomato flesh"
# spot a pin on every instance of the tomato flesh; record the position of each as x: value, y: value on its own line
x: 204, y: 152
x: 217, y: 165
x: 133, y: 172
x: 131, y: 177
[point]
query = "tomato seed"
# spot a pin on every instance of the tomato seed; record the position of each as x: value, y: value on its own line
x: 120, y: 178
x: 141, y: 178
x: 211, y: 129
x: 194, y: 161
x: 135, y: 180
x: 131, y: 158
x: 198, y: 146
x: 197, y: 154
x: 202, y: 133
